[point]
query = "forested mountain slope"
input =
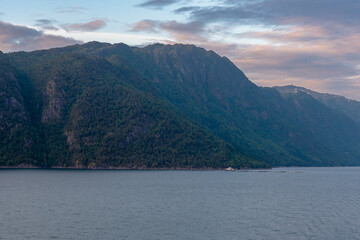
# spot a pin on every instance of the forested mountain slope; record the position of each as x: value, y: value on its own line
x: 349, y: 107
x: 102, y: 105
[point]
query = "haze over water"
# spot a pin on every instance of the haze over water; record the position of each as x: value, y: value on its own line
x: 289, y: 203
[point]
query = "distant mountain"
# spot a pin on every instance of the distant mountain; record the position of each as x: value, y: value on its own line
x: 161, y: 106
x: 349, y: 107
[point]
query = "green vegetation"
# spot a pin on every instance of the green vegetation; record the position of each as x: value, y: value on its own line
x: 102, y: 105
x: 84, y: 113
x: 351, y: 108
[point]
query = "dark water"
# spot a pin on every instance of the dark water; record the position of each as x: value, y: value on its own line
x: 291, y: 203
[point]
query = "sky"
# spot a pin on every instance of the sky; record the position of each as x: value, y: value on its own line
x: 309, y: 43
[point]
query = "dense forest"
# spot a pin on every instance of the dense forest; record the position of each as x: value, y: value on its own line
x: 100, y: 105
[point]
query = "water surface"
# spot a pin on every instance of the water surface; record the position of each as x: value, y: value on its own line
x: 289, y: 203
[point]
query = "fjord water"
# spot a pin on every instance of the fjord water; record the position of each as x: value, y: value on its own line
x: 288, y: 203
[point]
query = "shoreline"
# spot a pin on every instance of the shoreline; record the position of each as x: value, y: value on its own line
x: 26, y: 166
x: 29, y: 167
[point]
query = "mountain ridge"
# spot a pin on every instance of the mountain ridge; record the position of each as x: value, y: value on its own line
x: 206, y: 111
x: 349, y: 107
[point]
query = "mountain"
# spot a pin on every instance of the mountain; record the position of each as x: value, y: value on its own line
x: 347, y: 106
x: 80, y: 111
x: 161, y: 106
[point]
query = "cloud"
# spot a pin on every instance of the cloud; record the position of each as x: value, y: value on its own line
x: 21, y: 38
x: 281, y: 12
x: 177, y: 27
x: 46, y: 24
x: 186, y: 9
x: 182, y: 32
x: 157, y: 4
x: 146, y: 26
x: 85, y: 27
x: 71, y: 9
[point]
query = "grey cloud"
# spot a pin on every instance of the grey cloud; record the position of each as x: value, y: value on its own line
x: 71, y: 9
x: 234, y: 14
x: 306, y: 11
x: 44, y: 21
x: 21, y: 38
x: 190, y: 31
x: 46, y: 24
x: 350, y: 88
x: 194, y: 27
x: 281, y: 12
x: 186, y: 9
x: 157, y: 4
x: 12, y: 33
x: 85, y: 27
x: 169, y: 26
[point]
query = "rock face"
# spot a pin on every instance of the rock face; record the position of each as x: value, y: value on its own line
x: 167, y: 106
x: 54, y: 102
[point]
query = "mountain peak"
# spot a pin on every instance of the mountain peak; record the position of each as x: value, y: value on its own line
x: 349, y: 107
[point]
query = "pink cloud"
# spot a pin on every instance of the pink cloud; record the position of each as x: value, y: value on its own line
x: 145, y: 26
x: 85, y: 27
